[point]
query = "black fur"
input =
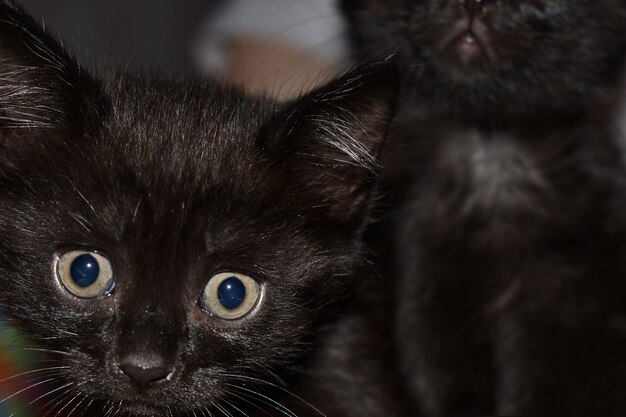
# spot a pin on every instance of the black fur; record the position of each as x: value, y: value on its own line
x: 174, y: 181
x: 508, y: 205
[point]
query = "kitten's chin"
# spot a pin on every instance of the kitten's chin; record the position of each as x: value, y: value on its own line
x: 466, y: 54
x: 141, y: 411
x: 145, y: 410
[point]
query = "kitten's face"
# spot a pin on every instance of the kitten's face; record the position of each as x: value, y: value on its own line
x: 176, y: 243
x: 492, y: 52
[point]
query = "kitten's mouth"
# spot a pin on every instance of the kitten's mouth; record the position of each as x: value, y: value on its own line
x: 468, y: 44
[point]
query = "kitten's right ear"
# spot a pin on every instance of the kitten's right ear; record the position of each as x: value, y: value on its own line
x: 41, y: 86
x: 329, y: 141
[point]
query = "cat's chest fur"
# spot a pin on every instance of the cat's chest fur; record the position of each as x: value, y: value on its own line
x: 507, y: 188
x: 496, y: 172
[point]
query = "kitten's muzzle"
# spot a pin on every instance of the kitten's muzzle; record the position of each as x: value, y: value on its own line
x: 468, y: 40
x: 144, y: 377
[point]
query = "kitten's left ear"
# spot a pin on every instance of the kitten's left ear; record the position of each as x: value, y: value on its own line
x: 41, y: 86
x: 330, y: 140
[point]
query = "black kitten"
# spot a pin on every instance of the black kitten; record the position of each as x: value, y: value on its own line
x: 510, y: 234
x: 177, y: 247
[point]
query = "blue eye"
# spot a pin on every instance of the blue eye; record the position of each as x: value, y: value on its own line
x: 231, y: 293
x: 85, y: 274
x: 85, y: 270
x: 230, y: 296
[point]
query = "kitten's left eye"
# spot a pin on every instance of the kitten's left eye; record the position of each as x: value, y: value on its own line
x: 85, y: 274
x: 230, y: 296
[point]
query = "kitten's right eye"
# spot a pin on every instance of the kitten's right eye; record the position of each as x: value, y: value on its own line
x: 85, y: 274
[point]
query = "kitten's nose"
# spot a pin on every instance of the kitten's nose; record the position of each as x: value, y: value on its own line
x: 144, y: 376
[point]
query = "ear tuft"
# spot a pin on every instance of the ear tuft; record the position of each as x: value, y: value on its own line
x: 350, y: 115
x: 41, y: 86
x: 332, y: 137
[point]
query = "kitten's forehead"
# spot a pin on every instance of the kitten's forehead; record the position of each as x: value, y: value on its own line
x: 182, y: 127
x: 168, y: 148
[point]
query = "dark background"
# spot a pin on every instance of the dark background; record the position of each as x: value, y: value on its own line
x: 154, y: 34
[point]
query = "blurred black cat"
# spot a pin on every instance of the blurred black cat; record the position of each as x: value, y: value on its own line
x: 508, y: 210
x: 177, y: 248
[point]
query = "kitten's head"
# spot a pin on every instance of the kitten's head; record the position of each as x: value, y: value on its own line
x: 498, y: 55
x: 172, y: 244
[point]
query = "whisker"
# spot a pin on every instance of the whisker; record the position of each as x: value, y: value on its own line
x: 67, y: 404
x: 34, y: 349
x: 58, y: 398
x: 286, y: 391
x: 247, y: 401
x: 267, y: 400
x: 271, y: 373
x: 208, y: 411
x: 77, y: 405
x: 52, y: 368
x: 50, y: 392
x: 119, y: 408
x: 223, y: 410
x: 86, y: 408
x: 236, y: 408
x: 105, y: 406
x: 59, y: 401
x: 26, y: 389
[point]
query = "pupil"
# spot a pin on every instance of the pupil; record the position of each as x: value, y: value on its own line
x: 85, y: 270
x: 231, y: 293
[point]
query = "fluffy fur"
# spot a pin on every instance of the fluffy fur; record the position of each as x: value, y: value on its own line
x: 174, y: 181
x: 507, y: 204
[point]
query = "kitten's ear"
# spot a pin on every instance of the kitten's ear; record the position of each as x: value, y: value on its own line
x: 41, y: 86
x: 330, y: 140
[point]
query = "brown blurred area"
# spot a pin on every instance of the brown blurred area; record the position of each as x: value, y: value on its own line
x: 274, y: 68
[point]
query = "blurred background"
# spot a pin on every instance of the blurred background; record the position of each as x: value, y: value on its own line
x: 280, y: 46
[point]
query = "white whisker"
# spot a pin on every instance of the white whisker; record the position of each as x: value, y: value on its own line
x: 286, y: 391
x: 61, y: 398
x: 67, y: 404
x: 236, y: 408
x: 272, y: 403
x: 52, y: 368
x: 54, y: 401
x: 26, y: 389
x: 247, y: 401
x: 77, y: 405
